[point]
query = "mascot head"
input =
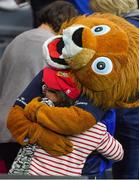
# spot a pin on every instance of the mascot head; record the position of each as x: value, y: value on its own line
x: 102, y: 51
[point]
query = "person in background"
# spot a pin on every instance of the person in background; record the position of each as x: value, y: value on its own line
x: 127, y: 131
x: 83, y: 7
x: 127, y: 9
x: 20, y: 63
x: 36, y: 6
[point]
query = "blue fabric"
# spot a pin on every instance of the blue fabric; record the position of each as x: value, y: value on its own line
x: 33, y: 90
x: 82, y: 6
x: 96, y: 164
x: 133, y: 21
x: 128, y: 168
x: 128, y: 127
x: 85, y: 104
x: 109, y: 120
x: 127, y: 132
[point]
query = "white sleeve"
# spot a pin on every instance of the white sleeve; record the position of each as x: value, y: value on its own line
x: 109, y: 146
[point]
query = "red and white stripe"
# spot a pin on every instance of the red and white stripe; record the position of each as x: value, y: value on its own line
x: 96, y: 138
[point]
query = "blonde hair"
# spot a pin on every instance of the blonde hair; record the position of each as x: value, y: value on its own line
x: 117, y: 7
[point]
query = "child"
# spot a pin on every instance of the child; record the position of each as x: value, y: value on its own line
x: 60, y: 90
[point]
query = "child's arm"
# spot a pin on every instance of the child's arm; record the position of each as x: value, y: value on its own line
x: 22, y: 129
x: 108, y: 146
x: 63, y: 120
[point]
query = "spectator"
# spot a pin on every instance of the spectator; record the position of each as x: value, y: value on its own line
x: 127, y: 9
x: 36, y: 6
x: 22, y: 60
x: 127, y: 119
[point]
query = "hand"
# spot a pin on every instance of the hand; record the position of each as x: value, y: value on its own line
x: 51, y: 142
x: 32, y: 108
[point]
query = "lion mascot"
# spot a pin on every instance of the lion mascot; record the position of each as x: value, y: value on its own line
x: 102, y: 52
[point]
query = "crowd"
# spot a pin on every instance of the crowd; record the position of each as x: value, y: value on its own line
x: 24, y: 76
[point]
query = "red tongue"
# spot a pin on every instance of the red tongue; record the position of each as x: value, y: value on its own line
x: 52, y: 47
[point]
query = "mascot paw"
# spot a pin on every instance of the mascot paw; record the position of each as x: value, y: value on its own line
x: 32, y: 108
x: 63, y: 147
x: 50, y: 141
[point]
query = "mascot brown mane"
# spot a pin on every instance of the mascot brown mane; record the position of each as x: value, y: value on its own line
x: 103, y: 53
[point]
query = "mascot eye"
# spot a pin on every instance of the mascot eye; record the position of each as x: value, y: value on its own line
x: 102, y: 65
x: 100, y: 30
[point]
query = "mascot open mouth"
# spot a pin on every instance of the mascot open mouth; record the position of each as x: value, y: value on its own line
x: 52, y: 50
x: 58, y: 48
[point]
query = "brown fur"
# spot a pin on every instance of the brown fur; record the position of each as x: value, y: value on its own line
x: 64, y: 121
x: 121, y: 45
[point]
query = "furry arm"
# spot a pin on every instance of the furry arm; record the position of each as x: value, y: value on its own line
x: 67, y: 121
x: 21, y: 128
